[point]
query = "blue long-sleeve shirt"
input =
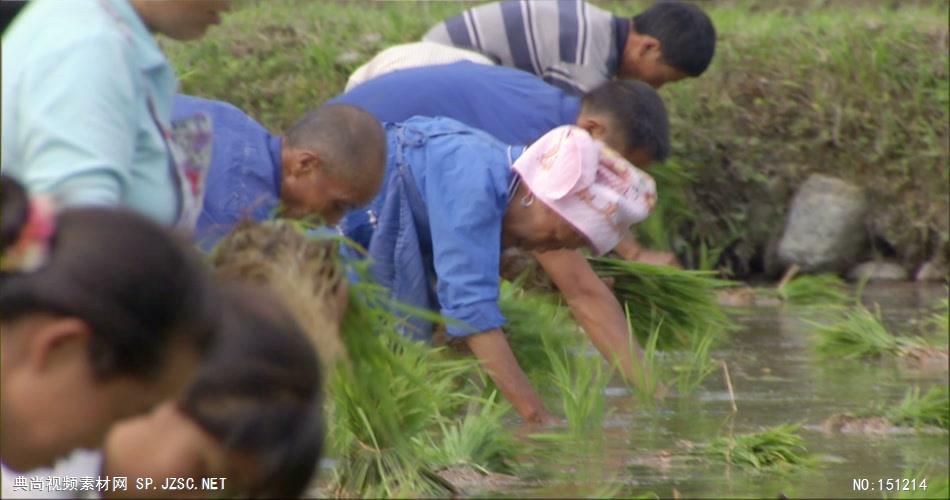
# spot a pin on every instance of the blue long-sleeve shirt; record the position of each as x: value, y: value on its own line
x: 244, y: 179
x: 514, y: 106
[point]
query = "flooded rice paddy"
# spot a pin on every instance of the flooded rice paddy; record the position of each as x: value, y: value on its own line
x: 777, y: 378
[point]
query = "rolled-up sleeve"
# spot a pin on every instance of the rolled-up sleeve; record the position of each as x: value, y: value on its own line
x: 465, y: 208
x: 78, y: 125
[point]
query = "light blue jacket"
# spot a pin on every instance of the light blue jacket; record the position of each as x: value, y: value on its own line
x: 434, y: 231
x: 76, y: 119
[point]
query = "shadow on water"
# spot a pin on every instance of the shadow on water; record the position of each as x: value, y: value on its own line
x: 777, y: 379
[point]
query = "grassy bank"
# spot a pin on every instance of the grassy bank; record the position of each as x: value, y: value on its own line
x: 853, y: 89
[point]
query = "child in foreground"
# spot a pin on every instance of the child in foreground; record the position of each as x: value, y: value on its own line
x: 104, y: 315
x: 252, y: 416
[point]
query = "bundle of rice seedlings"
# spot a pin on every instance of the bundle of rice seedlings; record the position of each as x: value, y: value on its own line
x: 303, y: 272
x: 859, y: 333
x: 814, y: 290
x: 778, y: 447
x: 931, y: 409
x: 386, y: 399
x: 682, y: 302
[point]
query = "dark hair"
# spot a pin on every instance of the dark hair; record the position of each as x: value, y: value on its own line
x: 259, y: 391
x: 638, y: 113
x: 686, y: 34
x: 350, y: 138
x: 130, y: 281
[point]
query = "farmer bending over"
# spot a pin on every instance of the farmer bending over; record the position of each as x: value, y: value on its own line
x: 576, y: 46
x: 326, y: 168
x: 454, y: 197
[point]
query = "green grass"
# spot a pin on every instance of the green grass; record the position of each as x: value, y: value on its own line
x: 815, y: 290
x: 777, y: 448
x: 916, y: 410
x: 859, y: 333
x: 679, y: 303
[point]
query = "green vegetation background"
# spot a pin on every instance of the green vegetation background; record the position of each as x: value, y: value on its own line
x: 853, y: 88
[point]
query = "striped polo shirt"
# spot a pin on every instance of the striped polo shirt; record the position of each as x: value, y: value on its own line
x: 569, y: 43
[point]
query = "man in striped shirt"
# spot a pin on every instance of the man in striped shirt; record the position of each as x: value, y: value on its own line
x: 576, y: 46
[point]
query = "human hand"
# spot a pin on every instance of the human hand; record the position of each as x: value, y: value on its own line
x: 541, y: 419
x: 657, y: 258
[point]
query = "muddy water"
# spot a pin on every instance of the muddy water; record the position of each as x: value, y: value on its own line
x: 777, y: 379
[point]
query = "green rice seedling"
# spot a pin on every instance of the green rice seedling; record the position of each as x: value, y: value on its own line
x: 814, y: 290
x: 647, y: 378
x: 536, y: 320
x: 859, y: 333
x: 775, y: 448
x: 681, y: 302
x: 931, y: 409
x: 479, y: 440
x: 582, y: 382
x: 938, y: 324
x: 698, y: 364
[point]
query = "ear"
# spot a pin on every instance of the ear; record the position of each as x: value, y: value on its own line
x: 57, y: 338
x: 593, y: 125
x: 646, y: 44
x: 305, y: 162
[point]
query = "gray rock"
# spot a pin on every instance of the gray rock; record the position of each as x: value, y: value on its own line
x: 349, y: 57
x: 371, y: 38
x: 878, y: 271
x: 825, y: 226
x: 932, y: 271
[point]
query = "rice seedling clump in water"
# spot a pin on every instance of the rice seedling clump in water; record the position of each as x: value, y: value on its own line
x: 816, y: 290
x: 681, y: 302
x: 859, y: 333
x: 778, y: 447
x: 931, y: 409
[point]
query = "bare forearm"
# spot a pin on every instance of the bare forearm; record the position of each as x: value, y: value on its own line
x: 594, y: 306
x: 492, y: 350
